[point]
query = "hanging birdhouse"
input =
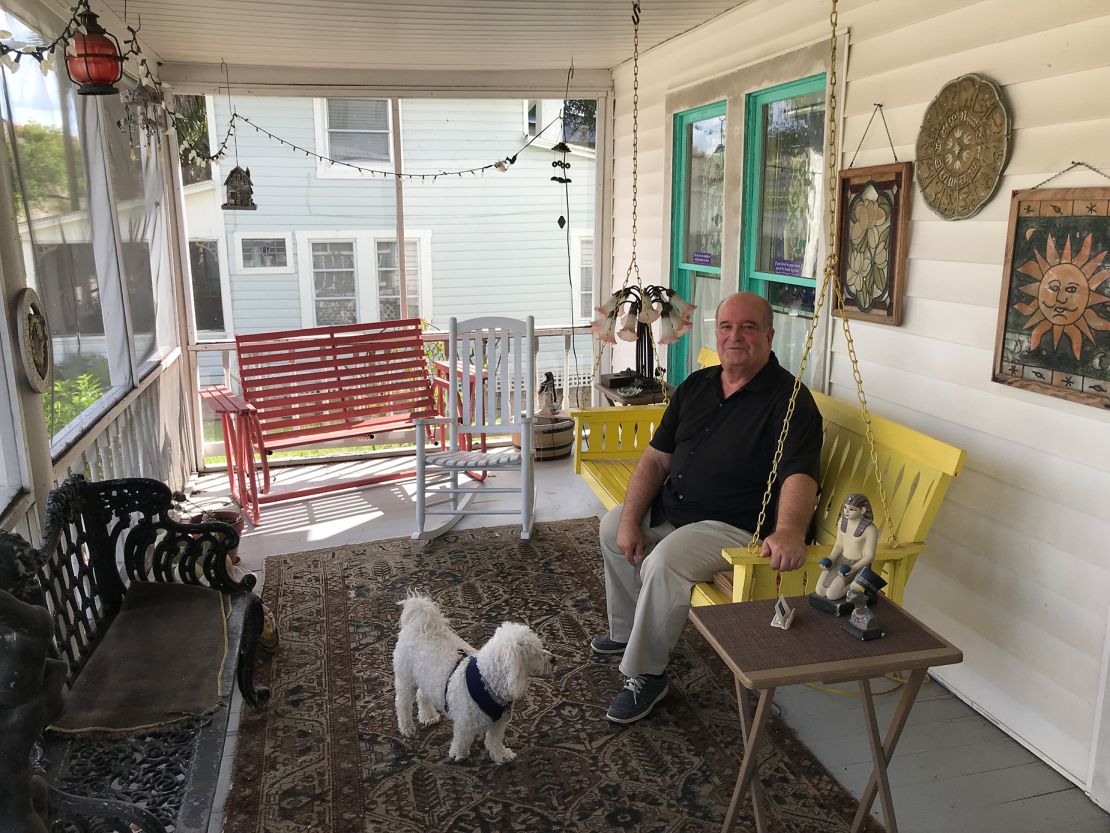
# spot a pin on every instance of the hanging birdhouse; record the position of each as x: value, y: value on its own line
x: 239, y: 190
x: 93, y: 59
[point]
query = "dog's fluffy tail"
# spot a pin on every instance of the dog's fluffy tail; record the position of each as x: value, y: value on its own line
x: 421, y: 614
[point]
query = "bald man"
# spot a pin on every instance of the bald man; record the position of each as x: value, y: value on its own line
x: 697, y: 489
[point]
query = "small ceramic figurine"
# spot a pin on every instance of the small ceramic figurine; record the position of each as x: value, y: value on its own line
x: 863, y: 593
x: 856, y: 542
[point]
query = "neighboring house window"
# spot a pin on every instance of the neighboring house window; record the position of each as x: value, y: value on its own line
x: 585, y: 292
x: 358, y: 130
x: 208, y: 304
x: 531, y: 117
x: 389, y: 279
x: 334, y: 292
x: 264, y: 252
x: 352, y: 275
x: 261, y: 252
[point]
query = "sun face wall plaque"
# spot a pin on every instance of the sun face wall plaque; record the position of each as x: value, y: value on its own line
x: 1054, y: 312
x: 962, y: 147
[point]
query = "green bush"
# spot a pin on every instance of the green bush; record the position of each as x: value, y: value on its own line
x: 79, y: 382
x: 69, y: 397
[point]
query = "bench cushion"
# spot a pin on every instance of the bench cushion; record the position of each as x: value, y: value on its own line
x: 160, y: 662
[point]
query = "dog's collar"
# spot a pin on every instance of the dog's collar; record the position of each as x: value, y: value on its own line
x: 480, y: 694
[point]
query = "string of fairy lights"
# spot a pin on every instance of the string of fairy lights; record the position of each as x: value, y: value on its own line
x: 501, y: 165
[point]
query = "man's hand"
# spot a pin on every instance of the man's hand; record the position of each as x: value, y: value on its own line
x: 787, y: 551
x: 630, y: 540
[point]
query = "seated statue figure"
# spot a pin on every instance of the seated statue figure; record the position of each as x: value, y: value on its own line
x: 856, y: 542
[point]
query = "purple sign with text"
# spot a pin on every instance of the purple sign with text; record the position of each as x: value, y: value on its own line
x: 788, y: 267
x: 702, y: 258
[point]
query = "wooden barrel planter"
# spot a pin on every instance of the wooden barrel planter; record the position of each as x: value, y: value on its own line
x: 552, y: 437
x: 234, y: 517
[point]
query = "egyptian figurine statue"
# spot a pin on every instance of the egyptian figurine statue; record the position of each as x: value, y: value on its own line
x: 856, y: 542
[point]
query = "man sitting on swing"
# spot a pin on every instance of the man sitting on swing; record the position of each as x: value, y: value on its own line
x: 698, y: 488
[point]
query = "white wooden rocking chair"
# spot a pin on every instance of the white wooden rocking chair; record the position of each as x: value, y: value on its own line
x: 493, y: 388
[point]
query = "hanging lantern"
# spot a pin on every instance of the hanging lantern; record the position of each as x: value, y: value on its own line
x: 239, y: 190
x: 95, y: 63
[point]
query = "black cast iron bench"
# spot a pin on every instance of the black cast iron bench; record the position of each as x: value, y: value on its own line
x: 153, y: 630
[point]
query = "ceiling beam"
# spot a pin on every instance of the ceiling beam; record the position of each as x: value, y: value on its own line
x: 195, y: 78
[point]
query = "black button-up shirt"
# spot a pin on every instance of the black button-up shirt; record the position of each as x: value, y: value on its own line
x: 721, y: 449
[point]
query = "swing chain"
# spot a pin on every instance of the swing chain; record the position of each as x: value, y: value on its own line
x: 891, y: 534
x: 633, y: 264
x: 830, y: 276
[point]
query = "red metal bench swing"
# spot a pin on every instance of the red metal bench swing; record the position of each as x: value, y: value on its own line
x: 316, y: 385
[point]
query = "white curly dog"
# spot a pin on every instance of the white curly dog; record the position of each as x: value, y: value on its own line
x: 445, y: 675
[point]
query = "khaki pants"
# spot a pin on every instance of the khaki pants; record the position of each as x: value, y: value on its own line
x: 648, y: 605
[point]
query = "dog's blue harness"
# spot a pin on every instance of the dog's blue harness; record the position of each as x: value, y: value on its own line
x: 476, y: 687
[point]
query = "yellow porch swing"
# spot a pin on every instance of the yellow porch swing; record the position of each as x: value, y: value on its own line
x: 907, y: 470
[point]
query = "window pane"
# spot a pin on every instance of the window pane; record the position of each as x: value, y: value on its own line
x: 204, y: 261
x: 333, y: 283
x: 580, y: 121
x: 793, y: 311
x: 792, y: 165
x: 707, y: 294
x: 333, y: 255
x: 354, y: 147
x: 358, y: 114
x: 192, y: 132
x: 53, y: 224
x: 389, y: 280
x: 332, y: 313
x: 141, y: 220
x: 705, y: 182
x: 586, y: 279
x: 264, y: 252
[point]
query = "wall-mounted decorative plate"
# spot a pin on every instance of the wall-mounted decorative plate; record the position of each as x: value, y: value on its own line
x: 962, y: 147
x: 36, y: 350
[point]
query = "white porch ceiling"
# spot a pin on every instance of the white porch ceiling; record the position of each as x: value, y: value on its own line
x: 407, y: 35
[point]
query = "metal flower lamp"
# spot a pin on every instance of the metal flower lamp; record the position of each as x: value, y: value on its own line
x: 629, y: 314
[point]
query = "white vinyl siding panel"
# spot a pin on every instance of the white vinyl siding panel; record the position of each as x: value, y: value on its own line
x: 1016, y: 572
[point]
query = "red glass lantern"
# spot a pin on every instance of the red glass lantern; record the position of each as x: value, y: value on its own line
x: 95, y: 64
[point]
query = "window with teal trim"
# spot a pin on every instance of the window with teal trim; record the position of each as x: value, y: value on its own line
x: 697, y: 224
x: 784, y: 165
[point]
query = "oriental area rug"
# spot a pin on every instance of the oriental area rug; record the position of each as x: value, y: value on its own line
x: 327, y: 756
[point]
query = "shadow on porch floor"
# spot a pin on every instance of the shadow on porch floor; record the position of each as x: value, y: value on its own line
x: 953, y: 772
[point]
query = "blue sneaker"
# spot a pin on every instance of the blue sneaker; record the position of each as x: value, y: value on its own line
x: 638, y: 697
x: 604, y: 645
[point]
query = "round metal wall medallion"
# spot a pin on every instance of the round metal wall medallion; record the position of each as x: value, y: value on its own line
x: 962, y: 147
x: 35, y: 347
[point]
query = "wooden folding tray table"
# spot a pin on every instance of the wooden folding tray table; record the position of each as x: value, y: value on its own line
x: 815, y: 648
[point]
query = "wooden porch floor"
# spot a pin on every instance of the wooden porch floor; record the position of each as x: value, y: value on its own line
x: 954, y: 771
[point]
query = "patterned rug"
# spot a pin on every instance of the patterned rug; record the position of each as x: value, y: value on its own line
x: 327, y: 756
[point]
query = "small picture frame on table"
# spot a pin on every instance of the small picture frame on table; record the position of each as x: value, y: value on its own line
x: 784, y: 614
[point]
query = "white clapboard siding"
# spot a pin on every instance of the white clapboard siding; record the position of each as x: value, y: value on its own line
x: 1026, y: 525
x: 495, y: 244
